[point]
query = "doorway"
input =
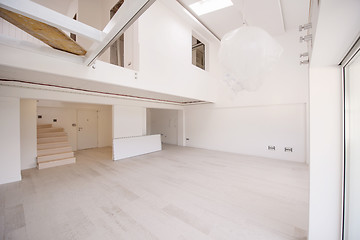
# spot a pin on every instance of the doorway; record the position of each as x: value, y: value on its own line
x: 87, y: 129
x: 165, y: 123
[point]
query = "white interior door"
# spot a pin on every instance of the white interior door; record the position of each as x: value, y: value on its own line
x: 87, y: 131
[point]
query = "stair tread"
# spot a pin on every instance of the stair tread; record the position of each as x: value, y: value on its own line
x: 55, y: 156
x: 59, y: 153
x: 57, y: 160
x: 56, y: 163
x: 52, y: 139
x: 63, y: 135
x: 47, y: 130
x: 44, y: 126
x: 55, y: 137
x: 43, y: 152
x: 43, y: 146
x: 52, y: 143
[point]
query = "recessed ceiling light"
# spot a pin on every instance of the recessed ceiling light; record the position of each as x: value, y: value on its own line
x: 206, y: 6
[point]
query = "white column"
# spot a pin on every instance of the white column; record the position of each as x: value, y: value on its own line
x: 10, y: 167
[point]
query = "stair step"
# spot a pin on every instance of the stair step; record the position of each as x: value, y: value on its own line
x: 55, y: 163
x: 44, y: 126
x: 52, y: 145
x: 52, y: 139
x: 51, y: 134
x: 53, y: 129
x: 56, y: 156
x: 50, y: 151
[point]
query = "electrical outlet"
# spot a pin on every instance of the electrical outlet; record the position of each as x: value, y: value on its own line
x: 288, y: 149
x: 271, y: 148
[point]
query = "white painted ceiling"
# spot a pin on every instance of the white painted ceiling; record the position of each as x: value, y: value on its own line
x: 59, y: 6
x: 274, y: 16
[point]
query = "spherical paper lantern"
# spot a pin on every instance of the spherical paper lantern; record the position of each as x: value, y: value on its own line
x: 247, y: 54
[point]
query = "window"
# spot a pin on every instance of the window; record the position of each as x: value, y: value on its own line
x: 117, y: 48
x: 198, y: 53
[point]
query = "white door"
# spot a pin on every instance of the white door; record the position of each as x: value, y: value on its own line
x: 87, y: 134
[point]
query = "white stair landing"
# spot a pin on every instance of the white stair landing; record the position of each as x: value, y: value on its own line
x: 53, y: 148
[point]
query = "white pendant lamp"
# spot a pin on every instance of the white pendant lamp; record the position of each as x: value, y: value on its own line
x: 247, y: 54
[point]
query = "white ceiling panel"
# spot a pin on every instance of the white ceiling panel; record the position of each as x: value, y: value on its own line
x: 274, y: 16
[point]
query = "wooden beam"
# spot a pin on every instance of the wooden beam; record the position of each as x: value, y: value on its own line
x: 45, y: 33
x: 40, y: 13
x: 127, y: 14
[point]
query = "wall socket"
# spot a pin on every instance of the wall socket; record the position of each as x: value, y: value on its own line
x: 271, y: 148
x: 288, y: 149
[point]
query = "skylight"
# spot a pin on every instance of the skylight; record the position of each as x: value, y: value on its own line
x: 206, y: 6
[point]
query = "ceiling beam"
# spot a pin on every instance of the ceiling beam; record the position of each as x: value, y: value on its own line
x: 52, y: 18
x: 127, y: 14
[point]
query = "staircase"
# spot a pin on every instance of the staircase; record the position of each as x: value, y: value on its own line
x: 53, y: 148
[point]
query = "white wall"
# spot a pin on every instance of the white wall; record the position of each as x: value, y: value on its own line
x: 286, y: 83
x: 28, y: 133
x: 325, y: 153
x: 165, y: 56
x: 66, y: 115
x: 249, y: 130
x: 10, y: 163
x: 326, y: 145
x: 128, y: 121
x: 249, y: 121
x: 181, y: 128
x: 164, y: 122
x: 105, y: 127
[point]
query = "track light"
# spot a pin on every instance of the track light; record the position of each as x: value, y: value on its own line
x: 306, y: 38
x: 304, y: 62
x: 305, y: 26
x: 305, y: 54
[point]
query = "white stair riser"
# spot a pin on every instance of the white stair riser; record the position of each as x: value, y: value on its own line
x: 52, y: 145
x: 50, y: 151
x: 40, y: 126
x: 56, y: 163
x: 52, y: 139
x: 55, y: 157
x: 51, y: 134
x: 46, y: 130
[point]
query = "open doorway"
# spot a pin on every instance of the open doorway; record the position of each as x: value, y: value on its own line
x: 163, y: 122
x: 86, y: 125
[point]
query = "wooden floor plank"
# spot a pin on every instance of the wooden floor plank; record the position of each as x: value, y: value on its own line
x: 177, y: 193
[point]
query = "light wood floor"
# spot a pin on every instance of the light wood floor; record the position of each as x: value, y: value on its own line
x: 178, y: 193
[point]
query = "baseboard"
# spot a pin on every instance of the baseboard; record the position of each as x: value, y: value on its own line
x: 10, y: 180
